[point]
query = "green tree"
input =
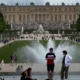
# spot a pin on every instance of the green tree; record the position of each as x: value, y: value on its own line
x: 78, y: 24
x: 2, y: 23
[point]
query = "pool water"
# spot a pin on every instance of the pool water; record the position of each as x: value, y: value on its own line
x: 41, y: 77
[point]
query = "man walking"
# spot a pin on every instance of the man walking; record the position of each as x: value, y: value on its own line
x: 50, y: 57
x: 65, y: 65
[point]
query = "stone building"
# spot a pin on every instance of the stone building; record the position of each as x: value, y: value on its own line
x: 20, y: 14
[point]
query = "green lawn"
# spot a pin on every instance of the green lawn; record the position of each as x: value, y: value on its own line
x: 9, y: 49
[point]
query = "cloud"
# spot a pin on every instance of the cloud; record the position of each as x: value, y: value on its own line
x: 60, y: 1
x: 39, y: 1
x: 22, y: 1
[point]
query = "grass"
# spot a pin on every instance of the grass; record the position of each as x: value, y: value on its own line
x: 8, y: 50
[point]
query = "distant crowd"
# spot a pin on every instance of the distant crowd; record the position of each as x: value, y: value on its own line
x: 46, y: 25
x: 4, y: 41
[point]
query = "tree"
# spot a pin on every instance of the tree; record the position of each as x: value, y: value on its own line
x: 78, y: 24
x: 2, y: 23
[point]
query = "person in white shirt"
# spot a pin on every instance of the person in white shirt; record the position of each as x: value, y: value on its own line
x: 65, y: 65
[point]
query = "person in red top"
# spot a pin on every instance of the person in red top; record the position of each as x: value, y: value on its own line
x: 50, y: 57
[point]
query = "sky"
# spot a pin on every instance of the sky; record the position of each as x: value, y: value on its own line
x: 39, y: 2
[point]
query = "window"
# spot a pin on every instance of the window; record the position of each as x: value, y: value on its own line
x: 69, y: 9
x: 19, y: 9
x: 39, y: 17
x: 5, y: 9
x: 47, y: 16
x: 36, y: 17
x: 13, y: 18
x: 9, y: 9
x: 59, y: 17
x: 44, y: 9
x: 28, y: 9
x: 32, y: 16
x: 39, y: 9
x: 5, y: 17
x: 43, y: 17
x: 9, y: 17
x: 28, y: 17
x: 55, y: 9
x: 52, y: 18
x: 59, y: 9
x: 74, y: 17
x: 19, y: 18
x: 13, y: 9
x: 51, y: 9
x: 74, y: 9
x: 23, y: 18
x: 65, y: 17
x: 65, y: 9
x: 55, y: 17
x: 70, y: 17
x: 23, y: 9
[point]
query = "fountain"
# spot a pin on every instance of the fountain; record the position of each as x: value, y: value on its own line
x: 35, y: 53
x: 40, y: 30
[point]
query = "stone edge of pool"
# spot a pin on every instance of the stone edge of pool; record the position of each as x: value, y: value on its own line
x: 34, y: 73
x: 39, y: 69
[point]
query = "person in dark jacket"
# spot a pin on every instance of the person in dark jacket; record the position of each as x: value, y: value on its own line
x: 26, y: 75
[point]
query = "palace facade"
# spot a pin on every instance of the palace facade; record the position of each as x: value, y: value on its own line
x: 41, y: 13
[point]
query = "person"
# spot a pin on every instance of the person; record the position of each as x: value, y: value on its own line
x: 18, y: 69
x: 21, y: 68
x: 15, y: 59
x: 65, y: 65
x: 23, y: 76
x: 12, y: 59
x: 26, y: 75
x: 50, y: 57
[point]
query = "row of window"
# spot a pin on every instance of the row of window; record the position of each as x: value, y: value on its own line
x: 40, y: 17
x: 40, y: 9
x: 66, y: 17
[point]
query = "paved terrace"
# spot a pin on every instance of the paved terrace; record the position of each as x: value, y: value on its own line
x: 41, y: 68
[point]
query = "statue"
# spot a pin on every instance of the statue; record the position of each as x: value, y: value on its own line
x: 22, y: 30
x: 11, y: 25
x: 40, y: 30
x: 58, y: 31
x: 62, y: 32
x: 69, y: 24
x: 2, y: 65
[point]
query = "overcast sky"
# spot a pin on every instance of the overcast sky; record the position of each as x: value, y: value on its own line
x: 39, y: 1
